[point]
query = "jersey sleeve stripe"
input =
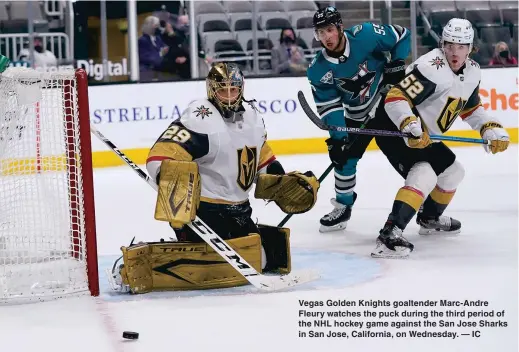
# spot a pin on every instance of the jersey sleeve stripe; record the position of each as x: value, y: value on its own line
x: 169, y: 150
x: 266, y: 155
x: 328, y: 102
x: 158, y: 158
x: 395, y: 94
x: 324, y: 110
x: 389, y: 100
x: 267, y: 162
x: 333, y: 109
x: 467, y: 112
x: 397, y: 36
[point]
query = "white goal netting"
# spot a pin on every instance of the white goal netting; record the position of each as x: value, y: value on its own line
x: 42, y: 234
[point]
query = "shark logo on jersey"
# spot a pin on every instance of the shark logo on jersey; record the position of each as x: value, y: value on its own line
x: 247, y: 167
x: 327, y: 78
x: 358, y: 85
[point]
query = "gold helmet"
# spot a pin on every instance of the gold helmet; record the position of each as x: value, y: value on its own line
x: 225, y: 87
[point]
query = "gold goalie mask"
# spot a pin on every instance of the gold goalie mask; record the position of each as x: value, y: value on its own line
x: 225, y: 90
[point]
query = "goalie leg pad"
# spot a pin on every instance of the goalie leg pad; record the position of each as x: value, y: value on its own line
x: 185, y: 266
x: 294, y: 193
x: 178, y: 197
x: 276, y: 243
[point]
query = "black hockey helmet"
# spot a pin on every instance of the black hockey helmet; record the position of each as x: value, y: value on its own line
x: 328, y: 15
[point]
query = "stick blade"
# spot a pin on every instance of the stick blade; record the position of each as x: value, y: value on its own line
x: 279, y: 283
x: 309, y: 112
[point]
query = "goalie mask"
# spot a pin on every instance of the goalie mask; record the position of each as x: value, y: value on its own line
x: 225, y: 90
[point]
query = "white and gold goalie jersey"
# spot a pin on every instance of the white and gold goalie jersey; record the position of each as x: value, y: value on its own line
x: 229, y: 155
x: 433, y: 92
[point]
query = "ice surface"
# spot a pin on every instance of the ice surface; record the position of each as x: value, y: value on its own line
x: 480, y: 263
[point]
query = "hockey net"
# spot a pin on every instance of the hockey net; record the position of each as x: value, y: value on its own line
x: 47, y: 226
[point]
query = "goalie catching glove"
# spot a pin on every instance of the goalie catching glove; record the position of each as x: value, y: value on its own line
x: 294, y: 193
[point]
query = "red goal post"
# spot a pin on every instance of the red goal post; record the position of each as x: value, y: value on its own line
x: 47, y: 218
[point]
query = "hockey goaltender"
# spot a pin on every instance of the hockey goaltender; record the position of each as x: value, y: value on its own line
x: 205, y: 164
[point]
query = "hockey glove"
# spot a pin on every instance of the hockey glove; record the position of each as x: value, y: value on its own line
x: 294, y: 193
x: 178, y: 197
x: 413, y: 126
x: 394, y: 72
x: 337, y: 151
x: 497, y: 135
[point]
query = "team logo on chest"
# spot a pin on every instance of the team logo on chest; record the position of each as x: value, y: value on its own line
x: 247, y: 167
x: 358, y: 85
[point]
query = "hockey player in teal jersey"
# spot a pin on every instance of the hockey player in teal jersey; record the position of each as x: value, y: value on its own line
x: 346, y: 79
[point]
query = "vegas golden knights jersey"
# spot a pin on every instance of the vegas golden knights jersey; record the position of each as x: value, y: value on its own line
x: 229, y: 155
x: 433, y: 92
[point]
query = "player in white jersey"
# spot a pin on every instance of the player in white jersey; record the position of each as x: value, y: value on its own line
x: 438, y: 87
x: 205, y: 164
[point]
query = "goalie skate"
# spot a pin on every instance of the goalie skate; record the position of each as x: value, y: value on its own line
x: 391, y: 244
x: 442, y: 225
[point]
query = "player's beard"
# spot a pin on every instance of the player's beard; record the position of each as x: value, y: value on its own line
x: 334, y: 52
x: 342, y: 38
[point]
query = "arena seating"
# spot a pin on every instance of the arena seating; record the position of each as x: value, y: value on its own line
x: 494, y: 21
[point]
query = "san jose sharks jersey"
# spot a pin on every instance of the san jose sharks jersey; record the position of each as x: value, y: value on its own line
x: 346, y: 87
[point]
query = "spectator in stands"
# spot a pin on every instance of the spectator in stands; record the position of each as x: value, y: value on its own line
x: 288, y: 57
x: 502, y: 56
x: 183, y: 29
x: 177, y: 57
x: 178, y: 38
x: 42, y: 57
x: 151, y: 47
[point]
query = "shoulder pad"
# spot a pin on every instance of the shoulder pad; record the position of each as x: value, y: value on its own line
x: 366, y: 29
x: 315, y: 61
x: 201, y: 116
x: 355, y: 29
x: 472, y: 69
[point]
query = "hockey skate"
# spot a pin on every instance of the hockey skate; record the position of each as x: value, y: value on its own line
x: 391, y: 244
x: 438, y: 225
x: 337, y: 219
x: 114, y: 278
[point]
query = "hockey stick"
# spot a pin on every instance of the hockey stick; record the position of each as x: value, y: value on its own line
x: 320, y: 179
x: 319, y: 123
x: 370, y: 116
x: 260, y: 281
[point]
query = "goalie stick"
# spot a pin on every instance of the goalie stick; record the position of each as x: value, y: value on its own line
x: 260, y: 281
x: 322, y: 125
